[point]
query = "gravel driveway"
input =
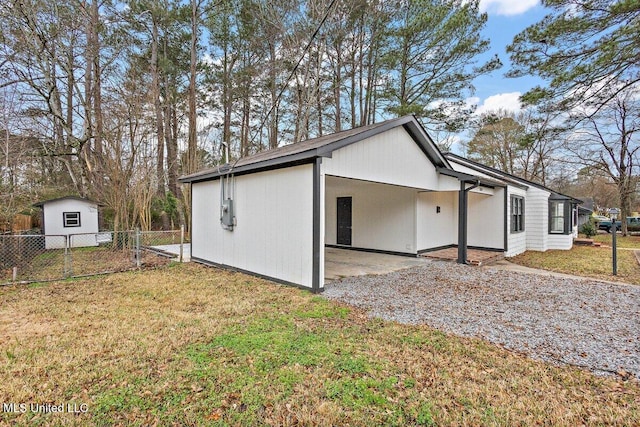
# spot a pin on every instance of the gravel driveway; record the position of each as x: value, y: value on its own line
x: 581, y: 322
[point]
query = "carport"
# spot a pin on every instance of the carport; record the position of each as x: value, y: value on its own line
x: 372, y: 189
x: 369, y: 192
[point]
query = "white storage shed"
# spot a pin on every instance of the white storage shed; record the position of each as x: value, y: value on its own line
x: 69, y: 221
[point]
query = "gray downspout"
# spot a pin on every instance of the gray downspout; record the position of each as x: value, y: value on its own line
x: 463, y: 197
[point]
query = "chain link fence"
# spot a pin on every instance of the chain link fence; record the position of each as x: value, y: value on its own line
x: 37, y: 258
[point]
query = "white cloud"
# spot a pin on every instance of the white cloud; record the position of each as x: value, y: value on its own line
x: 502, y: 101
x: 507, y: 7
x: 473, y: 100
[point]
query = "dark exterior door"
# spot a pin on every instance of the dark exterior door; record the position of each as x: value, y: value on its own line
x: 344, y: 221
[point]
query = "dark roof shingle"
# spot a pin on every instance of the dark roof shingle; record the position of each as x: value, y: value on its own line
x: 321, y: 147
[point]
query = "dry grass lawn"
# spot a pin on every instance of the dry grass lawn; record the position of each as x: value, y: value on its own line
x: 629, y: 242
x: 585, y: 261
x: 190, y: 345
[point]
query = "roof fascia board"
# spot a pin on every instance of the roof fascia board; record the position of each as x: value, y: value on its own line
x: 277, y: 163
x: 560, y: 196
x: 526, y: 182
x: 488, y: 170
x: 76, y: 198
x: 494, y: 173
x: 470, y: 178
x: 430, y: 148
x: 409, y: 123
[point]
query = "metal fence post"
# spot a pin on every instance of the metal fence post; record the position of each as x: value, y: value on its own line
x: 67, y: 253
x: 181, y: 241
x: 138, y: 263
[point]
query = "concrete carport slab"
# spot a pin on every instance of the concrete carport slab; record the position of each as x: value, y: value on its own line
x: 340, y: 263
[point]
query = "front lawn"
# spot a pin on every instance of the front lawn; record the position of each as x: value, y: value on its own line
x: 630, y: 242
x: 190, y: 345
x: 588, y: 261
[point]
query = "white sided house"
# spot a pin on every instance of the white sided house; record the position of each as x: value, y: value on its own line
x: 71, y: 221
x: 539, y: 218
x: 384, y: 187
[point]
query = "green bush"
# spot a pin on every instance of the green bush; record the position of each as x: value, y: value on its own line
x: 588, y: 229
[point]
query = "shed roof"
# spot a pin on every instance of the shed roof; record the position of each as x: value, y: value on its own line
x: 80, y: 199
x: 303, y: 152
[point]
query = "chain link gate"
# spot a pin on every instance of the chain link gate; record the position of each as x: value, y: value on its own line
x: 37, y: 258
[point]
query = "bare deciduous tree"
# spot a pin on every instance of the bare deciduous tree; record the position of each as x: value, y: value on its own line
x: 607, y: 140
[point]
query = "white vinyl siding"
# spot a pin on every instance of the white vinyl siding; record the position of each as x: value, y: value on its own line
x: 516, y: 242
x: 392, y: 157
x: 436, y: 229
x: 537, y: 220
x: 486, y: 219
x: 560, y: 241
x: 70, y: 217
x: 383, y: 216
x: 273, y: 235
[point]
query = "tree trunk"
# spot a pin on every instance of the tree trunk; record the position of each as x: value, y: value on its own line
x: 352, y: 94
x: 227, y: 102
x: 318, y: 90
x: 192, y: 146
x: 155, y: 78
x: 98, y: 176
x: 337, y: 87
x: 171, y: 142
x: 273, y: 120
x: 625, y: 192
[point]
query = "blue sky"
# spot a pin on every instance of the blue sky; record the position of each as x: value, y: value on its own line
x: 506, y: 19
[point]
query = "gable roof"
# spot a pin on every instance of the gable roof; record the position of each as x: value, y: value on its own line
x: 504, y: 176
x: 324, y: 146
x: 587, y: 203
x: 80, y: 199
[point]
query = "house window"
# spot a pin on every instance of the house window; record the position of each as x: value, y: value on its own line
x: 556, y: 216
x: 517, y: 214
x: 71, y: 219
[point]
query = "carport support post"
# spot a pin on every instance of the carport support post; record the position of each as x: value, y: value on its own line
x: 462, y: 223
x: 463, y: 199
x: 315, y: 280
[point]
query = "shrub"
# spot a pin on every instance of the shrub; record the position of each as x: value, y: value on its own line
x: 588, y: 229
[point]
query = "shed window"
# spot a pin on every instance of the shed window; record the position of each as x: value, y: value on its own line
x: 71, y: 219
x: 556, y: 216
x: 517, y: 214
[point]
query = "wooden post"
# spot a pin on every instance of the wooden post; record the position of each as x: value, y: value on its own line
x: 181, y: 241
